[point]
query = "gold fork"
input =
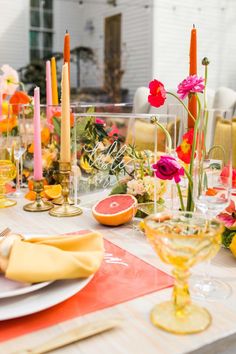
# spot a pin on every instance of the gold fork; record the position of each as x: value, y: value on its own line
x: 5, y: 232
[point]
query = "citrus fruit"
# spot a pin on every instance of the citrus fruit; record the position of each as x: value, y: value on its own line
x: 31, y: 195
x: 115, y: 210
x: 53, y: 192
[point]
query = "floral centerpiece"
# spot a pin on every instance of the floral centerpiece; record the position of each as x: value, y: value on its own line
x: 174, y: 168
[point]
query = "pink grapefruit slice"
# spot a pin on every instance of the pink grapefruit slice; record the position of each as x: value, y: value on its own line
x: 115, y: 210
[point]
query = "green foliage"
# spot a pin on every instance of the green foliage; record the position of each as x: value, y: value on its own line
x: 119, y: 188
x: 227, y: 237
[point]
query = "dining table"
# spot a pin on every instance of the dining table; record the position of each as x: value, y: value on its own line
x: 135, y: 334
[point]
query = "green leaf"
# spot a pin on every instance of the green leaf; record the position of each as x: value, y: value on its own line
x: 227, y: 237
x: 119, y: 189
x: 57, y: 125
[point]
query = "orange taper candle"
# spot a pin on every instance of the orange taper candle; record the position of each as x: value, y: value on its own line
x: 67, y: 51
x: 192, y: 103
x: 54, y: 81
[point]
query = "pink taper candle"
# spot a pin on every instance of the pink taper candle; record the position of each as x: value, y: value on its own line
x: 38, y: 170
x: 65, y: 115
x: 48, y: 88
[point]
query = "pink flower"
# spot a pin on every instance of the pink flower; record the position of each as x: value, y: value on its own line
x: 189, y: 85
x: 225, y: 175
x: 99, y: 121
x: 157, y: 95
x: 114, y: 131
x: 229, y: 216
x: 168, y: 168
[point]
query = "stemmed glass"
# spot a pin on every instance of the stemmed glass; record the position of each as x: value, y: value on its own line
x: 212, y: 186
x: 17, y: 141
x: 7, y: 173
x: 182, y: 239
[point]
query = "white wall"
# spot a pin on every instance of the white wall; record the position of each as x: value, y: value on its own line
x: 14, y: 32
x: 66, y: 16
x: 136, y: 39
x: 216, y: 25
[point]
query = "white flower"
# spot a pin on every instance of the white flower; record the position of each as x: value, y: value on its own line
x: 9, y: 80
x: 135, y: 187
x: 149, y: 184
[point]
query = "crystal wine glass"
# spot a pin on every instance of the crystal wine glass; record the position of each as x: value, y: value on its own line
x: 182, y: 239
x: 7, y: 174
x: 17, y: 142
x: 212, y: 186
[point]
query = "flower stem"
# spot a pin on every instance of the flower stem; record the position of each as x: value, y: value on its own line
x: 204, y: 93
x: 154, y: 120
x: 180, y: 196
x: 190, y: 204
x: 186, y: 108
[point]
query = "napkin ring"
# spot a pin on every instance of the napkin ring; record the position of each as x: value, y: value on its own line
x: 38, y: 204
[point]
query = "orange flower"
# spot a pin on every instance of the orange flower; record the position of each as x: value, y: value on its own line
x: 57, y: 114
x: 8, y: 124
x: 45, y: 135
x: 18, y: 98
x: 184, y: 150
x: 31, y: 148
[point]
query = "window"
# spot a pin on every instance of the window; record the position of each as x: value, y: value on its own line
x: 41, y: 28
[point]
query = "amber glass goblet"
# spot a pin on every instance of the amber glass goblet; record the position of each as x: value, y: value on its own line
x: 7, y: 174
x: 182, y: 239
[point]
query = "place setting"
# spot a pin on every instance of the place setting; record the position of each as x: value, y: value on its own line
x: 117, y: 209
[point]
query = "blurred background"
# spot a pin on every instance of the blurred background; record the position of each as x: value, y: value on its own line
x: 118, y: 45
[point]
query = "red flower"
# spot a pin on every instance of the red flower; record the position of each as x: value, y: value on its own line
x: 17, y: 99
x: 184, y: 150
x: 114, y: 133
x: 225, y: 175
x: 157, y: 95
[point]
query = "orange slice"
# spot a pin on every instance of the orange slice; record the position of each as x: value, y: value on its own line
x: 53, y: 192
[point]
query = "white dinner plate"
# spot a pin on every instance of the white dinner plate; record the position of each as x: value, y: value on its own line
x: 10, y: 288
x: 40, y: 300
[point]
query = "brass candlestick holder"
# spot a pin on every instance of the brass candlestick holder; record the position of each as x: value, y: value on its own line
x: 38, y: 204
x: 65, y: 209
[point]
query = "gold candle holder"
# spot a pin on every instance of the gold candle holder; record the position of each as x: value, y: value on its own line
x: 38, y: 204
x: 65, y: 209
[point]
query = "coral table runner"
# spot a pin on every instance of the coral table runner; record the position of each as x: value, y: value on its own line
x: 122, y: 277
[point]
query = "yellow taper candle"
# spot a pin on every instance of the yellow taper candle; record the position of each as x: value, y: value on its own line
x: 54, y: 81
x: 65, y: 116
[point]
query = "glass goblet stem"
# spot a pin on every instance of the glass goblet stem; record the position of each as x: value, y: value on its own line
x: 18, y: 175
x: 181, y: 294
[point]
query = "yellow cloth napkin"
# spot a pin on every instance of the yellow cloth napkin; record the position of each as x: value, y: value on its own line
x: 58, y: 257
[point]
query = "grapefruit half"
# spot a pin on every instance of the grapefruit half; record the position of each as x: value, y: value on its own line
x: 115, y: 210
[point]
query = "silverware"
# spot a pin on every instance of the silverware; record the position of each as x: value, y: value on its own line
x: 72, y: 336
x: 5, y: 232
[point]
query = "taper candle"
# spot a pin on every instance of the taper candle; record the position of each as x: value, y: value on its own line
x: 65, y: 116
x: 67, y: 51
x: 54, y: 81
x: 192, y: 103
x: 38, y: 170
x: 48, y: 88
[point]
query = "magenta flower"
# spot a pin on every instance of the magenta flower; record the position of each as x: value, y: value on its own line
x: 229, y: 216
x: 168, y: 168
x: 189, y: 85
x: 99, y: 121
